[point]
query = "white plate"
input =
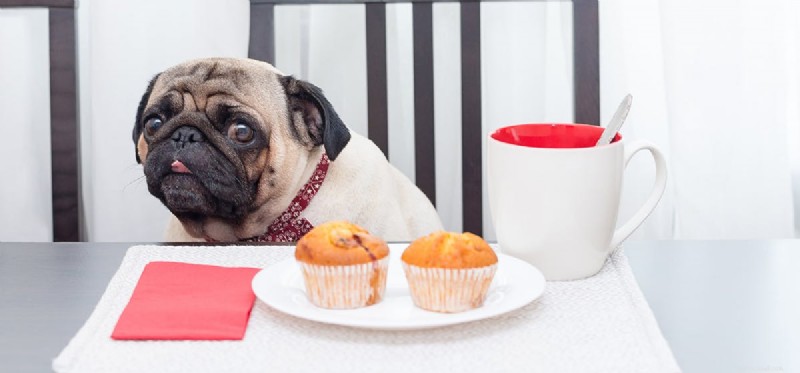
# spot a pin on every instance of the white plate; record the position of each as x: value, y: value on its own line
x: 515, y: 284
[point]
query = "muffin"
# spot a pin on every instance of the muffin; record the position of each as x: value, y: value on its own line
x: 343, y: 265
x: 449, y: 272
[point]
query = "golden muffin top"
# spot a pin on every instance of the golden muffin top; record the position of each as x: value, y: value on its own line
x: 339, y: 243
x: 449, y: 250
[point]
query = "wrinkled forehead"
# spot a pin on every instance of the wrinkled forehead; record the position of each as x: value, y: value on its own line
x: 210, y: 77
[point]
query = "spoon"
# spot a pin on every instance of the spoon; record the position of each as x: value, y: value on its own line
x: 616, y: 121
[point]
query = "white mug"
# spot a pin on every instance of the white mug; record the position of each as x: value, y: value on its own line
x: 554, y: 196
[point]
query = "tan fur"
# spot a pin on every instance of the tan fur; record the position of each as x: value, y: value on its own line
x: 361, y: 185
x: 141, y: 147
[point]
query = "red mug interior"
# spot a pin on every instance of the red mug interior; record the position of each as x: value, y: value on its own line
x: 551, y: 135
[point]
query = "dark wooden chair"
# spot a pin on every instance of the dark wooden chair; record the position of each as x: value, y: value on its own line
x: 586, y: 78
x: 64, y: 127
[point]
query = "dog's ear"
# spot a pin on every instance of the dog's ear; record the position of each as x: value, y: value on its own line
x: 323, y: 125
x: 137, y: 126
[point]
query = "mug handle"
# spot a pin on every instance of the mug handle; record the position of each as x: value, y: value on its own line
x: 655, y: 195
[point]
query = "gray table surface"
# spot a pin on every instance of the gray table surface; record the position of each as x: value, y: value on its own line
x: 723, y: 306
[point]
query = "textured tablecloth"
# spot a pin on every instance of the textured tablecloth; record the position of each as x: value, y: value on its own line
x: 601, y: 324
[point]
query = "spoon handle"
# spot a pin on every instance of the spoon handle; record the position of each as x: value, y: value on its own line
x: 616, y: 121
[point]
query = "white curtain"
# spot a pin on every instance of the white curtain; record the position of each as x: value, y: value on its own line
x: 715, y: 85
x: 25, y: 202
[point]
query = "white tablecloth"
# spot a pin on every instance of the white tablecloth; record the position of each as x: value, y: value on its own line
x: 600, y: 324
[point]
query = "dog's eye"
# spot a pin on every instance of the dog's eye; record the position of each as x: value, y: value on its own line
x: 152, y: 125
x: 241, y: 133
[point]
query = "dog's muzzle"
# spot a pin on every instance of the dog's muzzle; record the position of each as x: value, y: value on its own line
x: 186, y: 135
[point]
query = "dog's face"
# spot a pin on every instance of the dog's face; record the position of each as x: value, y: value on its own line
x: 221, y: 138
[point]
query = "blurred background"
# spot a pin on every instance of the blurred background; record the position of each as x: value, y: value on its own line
x: 716, y: 86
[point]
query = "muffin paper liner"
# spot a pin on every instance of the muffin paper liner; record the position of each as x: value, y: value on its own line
x: 448, y: 290
x: 346, y: 286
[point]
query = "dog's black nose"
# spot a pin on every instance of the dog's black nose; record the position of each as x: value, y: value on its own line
x: 187, y: 134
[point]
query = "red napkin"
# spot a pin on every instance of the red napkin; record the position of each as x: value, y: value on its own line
x: 182, y: 301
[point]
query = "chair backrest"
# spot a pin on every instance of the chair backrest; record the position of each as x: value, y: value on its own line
x: 64, y: 127
x: 586, y: 82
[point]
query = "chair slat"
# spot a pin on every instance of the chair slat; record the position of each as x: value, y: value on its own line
x: 38, y: 3
x: 262, y: 32
x: 425, y: 155
x: 64, y: 131
x: 377, y: 95
x: 334, y: 2
x: 471, y: 128
x: 586, y: 57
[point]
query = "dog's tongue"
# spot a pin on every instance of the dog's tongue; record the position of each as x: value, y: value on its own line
x: 180, y: 168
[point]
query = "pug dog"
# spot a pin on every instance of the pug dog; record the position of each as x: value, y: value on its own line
x: 238, y: 151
